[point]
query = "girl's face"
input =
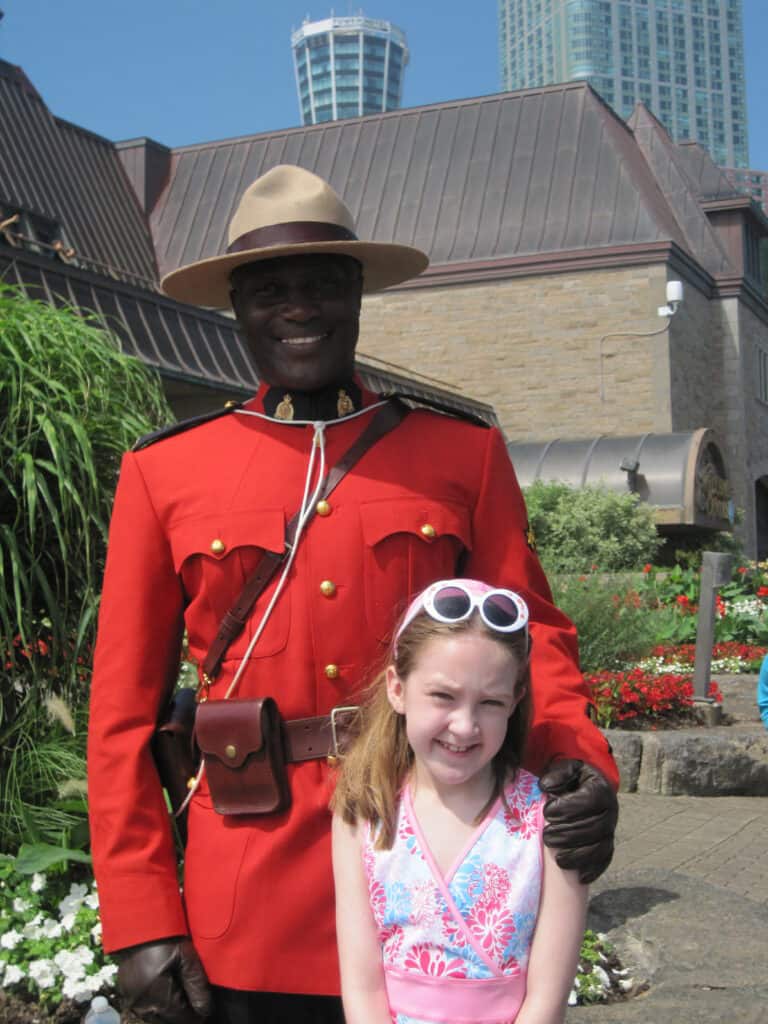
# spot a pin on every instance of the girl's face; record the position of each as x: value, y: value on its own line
x: 457, y: 700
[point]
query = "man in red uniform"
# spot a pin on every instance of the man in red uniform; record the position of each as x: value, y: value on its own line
x: 195, y: 509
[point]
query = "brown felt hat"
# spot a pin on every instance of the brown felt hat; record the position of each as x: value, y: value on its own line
x: 287, y: 212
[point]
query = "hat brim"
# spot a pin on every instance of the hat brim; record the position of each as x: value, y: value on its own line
x: 206, y: 283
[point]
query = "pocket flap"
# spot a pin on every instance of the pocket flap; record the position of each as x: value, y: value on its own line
x: 233, y: 730
x: 426, y: 520
x: 216, y: 536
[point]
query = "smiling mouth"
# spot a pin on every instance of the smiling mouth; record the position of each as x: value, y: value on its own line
x: 309, y: 339
x: 454, y: 749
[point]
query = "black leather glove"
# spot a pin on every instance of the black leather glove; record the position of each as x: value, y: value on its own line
x: 581, y: 812
x: 164, y: 982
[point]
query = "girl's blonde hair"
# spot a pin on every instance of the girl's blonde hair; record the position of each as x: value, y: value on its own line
x: 375, y: 768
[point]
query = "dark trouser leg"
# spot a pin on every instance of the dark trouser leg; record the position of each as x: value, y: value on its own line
x: 231, y: 1006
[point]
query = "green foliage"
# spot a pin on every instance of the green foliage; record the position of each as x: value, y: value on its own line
x: 672, y: 595
x: 70, y: 403
x: 612, y: 625
x: 578, y: 530
x: 42, y: 785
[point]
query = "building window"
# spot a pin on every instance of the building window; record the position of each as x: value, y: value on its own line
x: 762, y: 375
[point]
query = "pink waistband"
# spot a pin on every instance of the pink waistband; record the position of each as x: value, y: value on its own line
x: 475, y: 1000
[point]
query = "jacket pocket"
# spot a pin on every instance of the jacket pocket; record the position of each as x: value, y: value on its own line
x: 214, y: 556
x: 409, y: 543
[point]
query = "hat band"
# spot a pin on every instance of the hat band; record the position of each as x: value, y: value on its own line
x: 293, y: 232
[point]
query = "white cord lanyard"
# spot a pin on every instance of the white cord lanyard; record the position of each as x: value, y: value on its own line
x: 316, y: 469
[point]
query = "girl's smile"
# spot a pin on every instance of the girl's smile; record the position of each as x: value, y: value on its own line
x: 457, y: 700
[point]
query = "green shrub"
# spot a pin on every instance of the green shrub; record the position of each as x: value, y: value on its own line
x: 580, y: 530
x: 70, y: 403
x: 612, y: 625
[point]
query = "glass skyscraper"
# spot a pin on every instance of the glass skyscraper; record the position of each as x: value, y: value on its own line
x: 347, y: 67
x: 683, y: 58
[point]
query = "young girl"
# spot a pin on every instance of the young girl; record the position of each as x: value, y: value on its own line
x: 449, y: 907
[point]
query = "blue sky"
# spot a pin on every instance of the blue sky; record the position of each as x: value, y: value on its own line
x: 182, y: 71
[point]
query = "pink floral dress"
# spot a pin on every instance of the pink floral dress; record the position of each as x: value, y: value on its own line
x: 455, y: 947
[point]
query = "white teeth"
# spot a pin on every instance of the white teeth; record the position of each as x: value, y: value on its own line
x: 454, y: 749
x: 302, y: 341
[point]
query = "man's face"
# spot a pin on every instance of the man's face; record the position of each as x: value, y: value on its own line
x: 300, y: 316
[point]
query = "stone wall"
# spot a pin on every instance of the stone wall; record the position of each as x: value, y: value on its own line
x: 532, y: 347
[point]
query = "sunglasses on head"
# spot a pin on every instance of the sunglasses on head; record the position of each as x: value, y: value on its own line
x: 503, y: 611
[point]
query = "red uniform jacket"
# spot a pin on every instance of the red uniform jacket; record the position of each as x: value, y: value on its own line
x: 258, y: 891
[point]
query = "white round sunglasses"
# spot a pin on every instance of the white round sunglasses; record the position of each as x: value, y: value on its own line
x: 501, y: 610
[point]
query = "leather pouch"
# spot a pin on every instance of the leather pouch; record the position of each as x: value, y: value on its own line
x: 242, y: 744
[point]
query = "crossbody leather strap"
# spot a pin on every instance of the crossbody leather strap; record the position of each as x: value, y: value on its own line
x: 233, y: 623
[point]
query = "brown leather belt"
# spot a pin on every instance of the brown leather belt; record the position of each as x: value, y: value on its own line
x: 325, y: 736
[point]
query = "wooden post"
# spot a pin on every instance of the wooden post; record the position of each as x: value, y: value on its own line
x: 715, y: 572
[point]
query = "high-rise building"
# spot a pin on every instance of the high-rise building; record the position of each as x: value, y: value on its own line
x: 347, y: 67
x: 754, y: 183
x: 683, y: 58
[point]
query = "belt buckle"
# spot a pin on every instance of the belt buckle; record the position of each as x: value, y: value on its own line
x: 333, y: 757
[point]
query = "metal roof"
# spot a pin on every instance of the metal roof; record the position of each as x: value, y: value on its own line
x: 177, y: 340
x: 538, y: 171
x: 686, y: 176
x: 74, y: 179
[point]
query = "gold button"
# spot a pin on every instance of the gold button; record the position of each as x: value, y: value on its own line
x: 191, y: 782
x: 331, y: 671
x: 230, y: 750
x: 323, y: 507
x: 231, y: 404
x: 428, y: 531
x: 218, y: 547
x: 327, y: 588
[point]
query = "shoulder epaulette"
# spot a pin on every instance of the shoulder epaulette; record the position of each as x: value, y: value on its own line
x: 182, y: 425
x: 446, y: 410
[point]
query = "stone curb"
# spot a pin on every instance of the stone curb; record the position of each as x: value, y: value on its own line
x: 692, y: 762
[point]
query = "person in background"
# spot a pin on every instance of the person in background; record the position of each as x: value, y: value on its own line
x: 762, y: 691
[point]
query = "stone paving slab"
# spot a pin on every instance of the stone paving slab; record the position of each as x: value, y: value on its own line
x: 685, y: 902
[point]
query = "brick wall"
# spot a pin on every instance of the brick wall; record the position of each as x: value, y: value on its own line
x: 532, y: 347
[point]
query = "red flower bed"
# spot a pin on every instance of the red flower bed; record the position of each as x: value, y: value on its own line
x: 635, y: 698
x: 751, y: 654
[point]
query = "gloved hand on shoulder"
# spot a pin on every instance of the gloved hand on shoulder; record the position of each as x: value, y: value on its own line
x: 581, y: 813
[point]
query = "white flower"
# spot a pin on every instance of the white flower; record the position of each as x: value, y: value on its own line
x: 32, y: 930
x: 70, y: 905
x: 96, y: 931
x: 78, y: 889
x: 105, y: 977
x: 601, y: 976
x: 83, y: 954
x: 51, y: 929
x: 12, y: 974
x: 43, y: 973
x: 92, y: 901
x: 79, y: 989
x: 21, y: 906
x: 68, y: 921
x: 38, y: 882
x: 573, y: 998
x: 11, y: 939
x: 71, y: 962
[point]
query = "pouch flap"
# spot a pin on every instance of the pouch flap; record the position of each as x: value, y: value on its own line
x: 233, y: 730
